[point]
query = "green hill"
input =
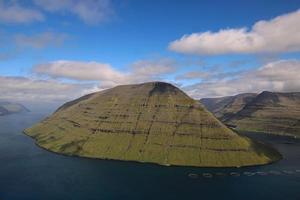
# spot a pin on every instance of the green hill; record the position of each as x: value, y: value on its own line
x: 151, y: 122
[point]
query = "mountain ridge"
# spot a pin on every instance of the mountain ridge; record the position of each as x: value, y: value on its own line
x: 269, y: 112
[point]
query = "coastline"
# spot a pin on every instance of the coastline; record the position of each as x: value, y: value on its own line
x: 157, y: 164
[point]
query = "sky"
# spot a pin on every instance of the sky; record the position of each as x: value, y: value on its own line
x: 58, y: 50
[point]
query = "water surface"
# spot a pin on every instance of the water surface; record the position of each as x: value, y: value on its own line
x: 29, y: 172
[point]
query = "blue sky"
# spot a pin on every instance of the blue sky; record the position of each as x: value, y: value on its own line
x: 131, y: 40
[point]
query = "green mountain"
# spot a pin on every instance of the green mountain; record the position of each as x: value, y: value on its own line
x: 269, y: 112
x: 151, y: 122
x: 7, y: 108
x: 226, y: 107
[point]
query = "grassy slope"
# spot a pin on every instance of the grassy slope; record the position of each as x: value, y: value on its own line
x: 277, y: 113
x: 153, y: 122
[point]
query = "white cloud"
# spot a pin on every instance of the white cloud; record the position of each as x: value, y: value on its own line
x: 140, y: 71
x: 282, y: 76
x: 92, y: 71
x: 280, y: 34
x: 11, y: 12
x: 26, y: 89
x: 39, y: 89
x: 279, y: 76
x: 40, y: 40
x: 89, y: 11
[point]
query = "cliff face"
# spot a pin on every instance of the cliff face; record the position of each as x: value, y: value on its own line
x: 269, y: 112
x: 152, y: 122
x: 7, y: 108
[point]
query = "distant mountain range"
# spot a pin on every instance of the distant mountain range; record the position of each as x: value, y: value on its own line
x: 270, y: 112
x: 7, y: 108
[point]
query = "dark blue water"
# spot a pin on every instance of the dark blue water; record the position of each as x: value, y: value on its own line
x: 29, y: 172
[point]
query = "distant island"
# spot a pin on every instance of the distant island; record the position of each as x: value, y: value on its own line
x: 268, y: 112
x: 7, y: 108
x: 152, y: 122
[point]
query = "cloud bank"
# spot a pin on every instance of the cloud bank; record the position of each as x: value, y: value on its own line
x: 279, y: 76
x: 26, y: 89
x: 280, y: 34
x: 50, y: 86
x: 105, y: 74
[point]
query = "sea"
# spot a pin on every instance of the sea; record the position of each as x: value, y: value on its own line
x: 28, y: 172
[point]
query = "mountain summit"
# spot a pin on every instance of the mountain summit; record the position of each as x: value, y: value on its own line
x: 152, y: 122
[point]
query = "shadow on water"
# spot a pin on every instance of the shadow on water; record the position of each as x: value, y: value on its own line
x: 29, y: 172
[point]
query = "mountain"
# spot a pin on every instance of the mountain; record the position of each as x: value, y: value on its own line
x: 7, y: 108
x: 269, y: 112
x: 151, y: 122
x: 226, y: 107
